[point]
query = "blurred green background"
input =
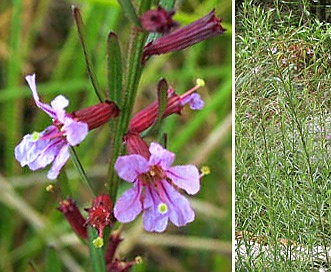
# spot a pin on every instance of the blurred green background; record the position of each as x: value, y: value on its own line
x: 39, y: 37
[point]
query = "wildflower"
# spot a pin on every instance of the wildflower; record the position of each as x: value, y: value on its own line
x: 202, y: 29
x: 175, y: 103
x: 274, y: 50
x: 310, y: 52
x: 100, y: 214
x: 154, y: 186
x: 158, y: 20
x: 37, y: 150
x: 69, y: 209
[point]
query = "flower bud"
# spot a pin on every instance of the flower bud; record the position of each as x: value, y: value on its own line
x: 158, y: 20
x: 202, y: 29
x: 96, y: 115
x: 70, y: 211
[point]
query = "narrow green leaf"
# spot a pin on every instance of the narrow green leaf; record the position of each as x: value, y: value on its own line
x: 81, y: 35
x: 115, y: 76
x: 129, y: 11
x: 53, y: 263
x: 162, y: 97
x: 96, y: 253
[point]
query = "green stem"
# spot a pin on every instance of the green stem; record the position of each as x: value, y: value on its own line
x: 81, y: 170
x: 133, y: 74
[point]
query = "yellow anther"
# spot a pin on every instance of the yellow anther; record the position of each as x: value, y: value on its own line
x: 200, y: 82
x: 205, y: 170
x: 50, y: 188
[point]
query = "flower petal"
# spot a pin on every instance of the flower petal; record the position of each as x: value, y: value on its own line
x: 180, y: 212
x: 186, y: 177
x: 195, y: 101
x: 31, y: 79
x: 128, y: 206
x: 129, y: 167
x: 38, y: 153
x: 75, y: 131
x: 60, y: 160
x: 160, y: 156
x: 152, y: 218
x: 59, y: 104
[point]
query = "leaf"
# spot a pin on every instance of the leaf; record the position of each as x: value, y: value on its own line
x: 115, y: 72
x: 81, y: 35
x: 129, y: 11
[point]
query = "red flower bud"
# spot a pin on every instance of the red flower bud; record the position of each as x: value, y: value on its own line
x: 202, y: 29
x: 158, y: 20
x: 96, y: 115
x: 136, y: 145
x: 70, y: 211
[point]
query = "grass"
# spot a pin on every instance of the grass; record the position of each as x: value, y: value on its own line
x: 42, y: 39
x: 282, y: 138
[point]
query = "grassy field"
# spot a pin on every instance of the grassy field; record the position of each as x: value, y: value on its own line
x: 41, y: 38
x: 283, y: 132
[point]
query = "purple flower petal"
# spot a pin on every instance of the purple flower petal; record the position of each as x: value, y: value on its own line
x: 75, y: 131
x: 196, y: 103
x: 186, y: 177
x: 180, y: 211
x: 129, y: 167
x: 59, y: 104
x: 47, y: 155
x: 31, y: 79
x: 160, y: 156
x: 60, y: 160
x: 152, y: 218
x: 38, y: 153
x: 128, y: 206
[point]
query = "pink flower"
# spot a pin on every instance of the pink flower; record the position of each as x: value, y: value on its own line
x: 37, y: 150
x: 154, y: 189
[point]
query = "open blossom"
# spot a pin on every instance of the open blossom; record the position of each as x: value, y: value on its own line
x: 175, y: 103
x: 154, y: 188
x: 37, y: 150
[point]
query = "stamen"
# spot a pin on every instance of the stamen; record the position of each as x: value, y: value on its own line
x: 199, y: 83
x: 205, y: 170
